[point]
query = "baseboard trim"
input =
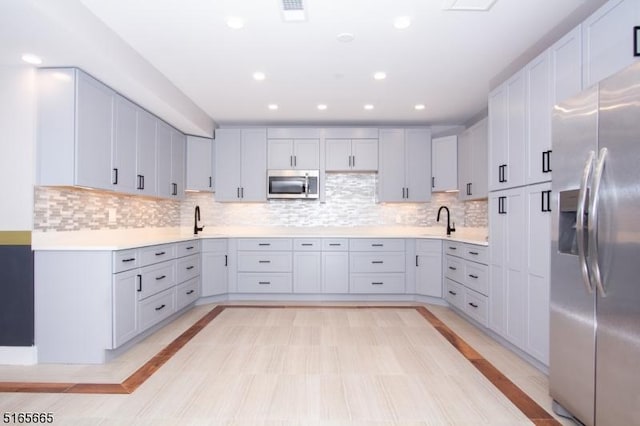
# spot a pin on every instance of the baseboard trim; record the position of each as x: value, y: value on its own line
x: 18, y: 355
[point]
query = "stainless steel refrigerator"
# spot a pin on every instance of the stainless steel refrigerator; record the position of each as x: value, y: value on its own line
x: 594, y: 370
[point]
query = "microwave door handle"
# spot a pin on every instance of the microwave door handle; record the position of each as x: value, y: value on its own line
x: 593, y: 222
x: 305, y: 185
x: 580, y: 215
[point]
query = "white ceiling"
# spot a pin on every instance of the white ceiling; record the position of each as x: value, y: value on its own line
x: 444, y: 60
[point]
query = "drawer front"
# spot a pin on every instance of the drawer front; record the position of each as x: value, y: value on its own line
x: 476, y: 277
x: 307, y: 244
x: 476, y: 253
x: 264, y: 262
x: 155, y: 254
x: 124, y: 260
x: 276, y: 244
x: 376, y: 244
x: 214, y: 244
x: 425, y: 245
x: 156, y: 308
x: 156, y: 278
x: 377, y: 283
x: 453, y: 248
x: 188, y: 267
x: 187, y: 248
x: 187, y: 293
x: 454, y: 268
x: 264, y: 283
x: 476, y: 306
x: 454, y: 293
x: 377, y: 262
x: 335, y: 244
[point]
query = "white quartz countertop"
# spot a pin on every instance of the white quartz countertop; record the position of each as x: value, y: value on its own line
x: 129, y: 238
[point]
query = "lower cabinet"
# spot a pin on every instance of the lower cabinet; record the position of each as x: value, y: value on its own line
x: 155, y: 308
x: 215, y: 265
x: 125, y: 306
x: 264, y: 265
x: 307, y: 266
x: 335, y: 266
x: 429, y: 267
x: 377, y: 265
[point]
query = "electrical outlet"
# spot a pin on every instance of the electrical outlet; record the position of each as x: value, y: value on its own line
x: 112, y: 215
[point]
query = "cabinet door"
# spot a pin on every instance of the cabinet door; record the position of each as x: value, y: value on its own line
x: 497, y: 247
x: 125, y: 307
x: 94, y: 133
x: 444, y: 163
x: 391, y: 184
x: 338, y: 155
x: 306, y: 154
x: 199, y: 164
x: 465, y: 164
x: 429, y: 274
x: 146, y: 167
x: 178, y: 161
x: 253, y: 169
x: 607, y: 40
x: 364, y: 155
x: 335, y: 272
x: 214, y: 273
x: 124, y: 146
x: 227, y: 164
x: 163, y: 160
x: 418, y: 165
x: 479, y: 179
x: 514, y: 174
x: 514, y: 263
x: 538, y: 129
x: 566, y: 66
x: 307, y: 271
x: 497, y: 120
x: 280, y: 154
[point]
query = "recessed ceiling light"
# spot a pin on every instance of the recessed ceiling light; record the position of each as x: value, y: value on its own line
x: 419, y: 107
x: 402, y: 22
x: 259, y: 76
x: 322, y: 107
x: 345, y: 37
x: 31, y: 59
x: 235, y: 23
x: 273, y: 107
x: 380, y: 75
x: 368, y: 107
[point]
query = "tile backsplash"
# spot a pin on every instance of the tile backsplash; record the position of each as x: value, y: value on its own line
x: 350, y: 201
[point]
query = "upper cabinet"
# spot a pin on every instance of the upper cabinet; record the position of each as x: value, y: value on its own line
x: 351, y: 150
x: 404, y: 165
x: 607, y: 40
x: 538, y: 123
x: 472, y: 162
x: 146, y: 168
x: 566, y: 66
x: 170, y: 161
x: 444, y: 163
x: 199, y: 164
x: 241, y: 164
x: 293, y: 148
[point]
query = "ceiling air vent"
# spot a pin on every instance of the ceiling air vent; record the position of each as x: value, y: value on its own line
x: 469, y: 5
x: 293, y: 11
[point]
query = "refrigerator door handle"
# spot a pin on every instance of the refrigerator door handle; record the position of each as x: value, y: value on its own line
x: 582, y: 200
x: 593, y: 222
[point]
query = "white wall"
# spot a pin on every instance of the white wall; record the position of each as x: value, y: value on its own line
x: 17, y: 147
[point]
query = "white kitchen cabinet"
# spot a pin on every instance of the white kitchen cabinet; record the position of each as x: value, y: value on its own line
x: 566, y: 66
x: 170, y: 161
x: 444, y: 163
x: 538, y: 124
x: 215, y: 262
x: 335, y: 272
x: 178, y: 162
x: 607, y: 40
x: 241, y: 164
x: 199, y: 164
x: 472, y: 162
x: 124, y: 145
x: 405, y: 165
x: 299, y: 154
x: 75, y: 129
x: 146, y: 166
x: 377, y: 265
x: 429, y: 267
x: 350, y: 155
x: 125, y: 306
x: 307, y: 270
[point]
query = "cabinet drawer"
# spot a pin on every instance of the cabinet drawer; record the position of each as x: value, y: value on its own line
x: 453, y: 248
x: 187, y: 293
x: 476, y: 277
x: 454, y: 293
x: 156, y: 308
x: 335, y: 244
x: 264, y: 283
x: 282, y: 244
x: 307, y: 244
x: 156, y: 278
x: 187, y: 248
x: 264, y: 262
x: 214, y: 244
x: 155, y: 254
x: 476, y: 253
x: 424, y: 245
x: 188, y: 267
x: 376, y: 262
x: 476, y: 306
x: 454, y: 268
x: 124, y: 260
x: 376, y: 244
x: 377, y: 283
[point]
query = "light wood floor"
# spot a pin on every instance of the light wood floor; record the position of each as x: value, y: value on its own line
x: 296, y: 366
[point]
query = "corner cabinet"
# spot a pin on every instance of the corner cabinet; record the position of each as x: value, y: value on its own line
x: 472, y: 162
x: 241, y: 164
x: 444, y: 164
x: 199, y: 164
x: 404, y: 165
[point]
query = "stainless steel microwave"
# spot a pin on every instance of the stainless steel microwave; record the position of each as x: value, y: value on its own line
x: 293, y: 184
